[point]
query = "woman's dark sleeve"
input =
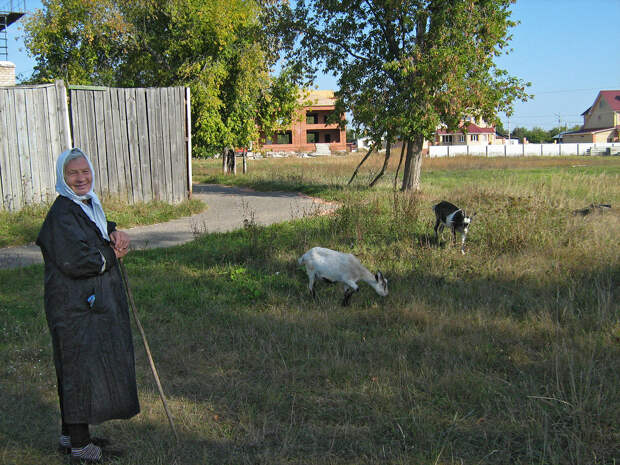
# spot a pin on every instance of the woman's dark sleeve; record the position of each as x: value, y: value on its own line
x: 111, y: 227
x: 66, y: 244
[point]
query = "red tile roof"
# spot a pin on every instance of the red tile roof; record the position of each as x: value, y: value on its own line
x: 612, y: 97
x: 471, y: 129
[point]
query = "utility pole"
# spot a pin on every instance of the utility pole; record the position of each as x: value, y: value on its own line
x: 509, y: 130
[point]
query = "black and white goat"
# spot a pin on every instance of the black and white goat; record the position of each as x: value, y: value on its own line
x: 453, y: 217
x: 331, y: 267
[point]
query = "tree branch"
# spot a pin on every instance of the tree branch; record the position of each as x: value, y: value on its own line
x: 361, y: 163
x: 400, y: 162
x: 385, y: 163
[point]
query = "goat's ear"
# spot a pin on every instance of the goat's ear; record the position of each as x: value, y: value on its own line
x: 379, y: 277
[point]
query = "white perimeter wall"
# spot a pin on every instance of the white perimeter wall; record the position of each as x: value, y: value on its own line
x: 519, y: 150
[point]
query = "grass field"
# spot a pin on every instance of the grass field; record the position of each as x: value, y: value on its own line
x: 509, y: 354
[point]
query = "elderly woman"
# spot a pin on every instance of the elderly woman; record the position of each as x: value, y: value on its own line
x: 86, y: 310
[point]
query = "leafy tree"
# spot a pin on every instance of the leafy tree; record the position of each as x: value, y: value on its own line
x: 222, y: 49
x: 76, y: 40
x: 499, y: 128
x: 537, y: 135
x: 406, y: 66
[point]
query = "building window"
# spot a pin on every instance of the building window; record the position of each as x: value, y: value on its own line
x: 282, y: 138
x: 446, y: 139
x: 328, y: 137
x: 474, y: 137
x: 461, y: 138
x: 312, y: 137
x: 312, y: 118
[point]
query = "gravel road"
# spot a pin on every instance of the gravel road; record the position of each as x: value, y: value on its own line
x: 227, y: 208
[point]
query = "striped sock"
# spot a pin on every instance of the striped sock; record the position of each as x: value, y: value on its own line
x: 88, y: 452
x: 65, y: 440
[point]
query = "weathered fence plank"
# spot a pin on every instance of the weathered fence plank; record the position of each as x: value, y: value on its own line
x: 5, y: 180
x: 98, y: 116
x: 111, y: 155
x: 176, y: 144
x: 33, y: 100
x: 133, y: 145
x: 145, y: 149
x: 165, y: 143
x: 52, y: 141
x: 153, y: 111
x: 25, y: 167
x: 13, y: 198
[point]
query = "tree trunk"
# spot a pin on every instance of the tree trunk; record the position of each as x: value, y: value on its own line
x: 385, y: 163
x: 400, y: 161
x: 413, y: 165
x: 233, y: 162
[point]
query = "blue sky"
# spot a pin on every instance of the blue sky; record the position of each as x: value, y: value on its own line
x: 567, y: 49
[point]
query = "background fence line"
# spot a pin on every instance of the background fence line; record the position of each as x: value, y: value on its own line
x: 138, y: 140
x: 517, y: 150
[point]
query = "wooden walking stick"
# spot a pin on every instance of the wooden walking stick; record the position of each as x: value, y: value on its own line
x: 146, y: 346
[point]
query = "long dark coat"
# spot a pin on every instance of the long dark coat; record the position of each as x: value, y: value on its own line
x: 93, y: 348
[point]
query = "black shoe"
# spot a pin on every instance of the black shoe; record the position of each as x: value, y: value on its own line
x: 101, y: 442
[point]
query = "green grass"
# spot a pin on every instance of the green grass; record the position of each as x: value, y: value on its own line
x: 19, y: 228
x: 509, y: 354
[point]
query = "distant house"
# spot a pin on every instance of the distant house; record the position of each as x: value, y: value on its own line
x: 601, y: 122
x: 470, y: 132
x: 310, y: 131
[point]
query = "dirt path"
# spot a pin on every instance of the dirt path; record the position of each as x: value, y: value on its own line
x: 227, y: 208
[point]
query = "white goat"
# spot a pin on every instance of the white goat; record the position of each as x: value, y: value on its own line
x: 332, y: 267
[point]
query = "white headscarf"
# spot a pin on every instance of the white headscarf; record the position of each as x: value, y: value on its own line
x: 94, y: 210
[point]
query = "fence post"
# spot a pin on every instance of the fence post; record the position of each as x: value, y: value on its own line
x: 245, y: 161
x: 188, y: 137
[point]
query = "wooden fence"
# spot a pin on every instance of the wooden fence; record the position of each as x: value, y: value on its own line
x: 138, y: 140
x: 34, y: 130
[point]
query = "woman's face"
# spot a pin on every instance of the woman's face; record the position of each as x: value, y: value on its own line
x: 78, y: 176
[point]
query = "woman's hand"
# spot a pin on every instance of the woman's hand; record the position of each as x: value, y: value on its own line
x: 120, y: 243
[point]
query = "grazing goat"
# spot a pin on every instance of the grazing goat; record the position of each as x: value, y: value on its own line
x: 332, y: 267
x: 453, y: 217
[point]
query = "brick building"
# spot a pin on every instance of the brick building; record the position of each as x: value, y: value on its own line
x: 310, y: 131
